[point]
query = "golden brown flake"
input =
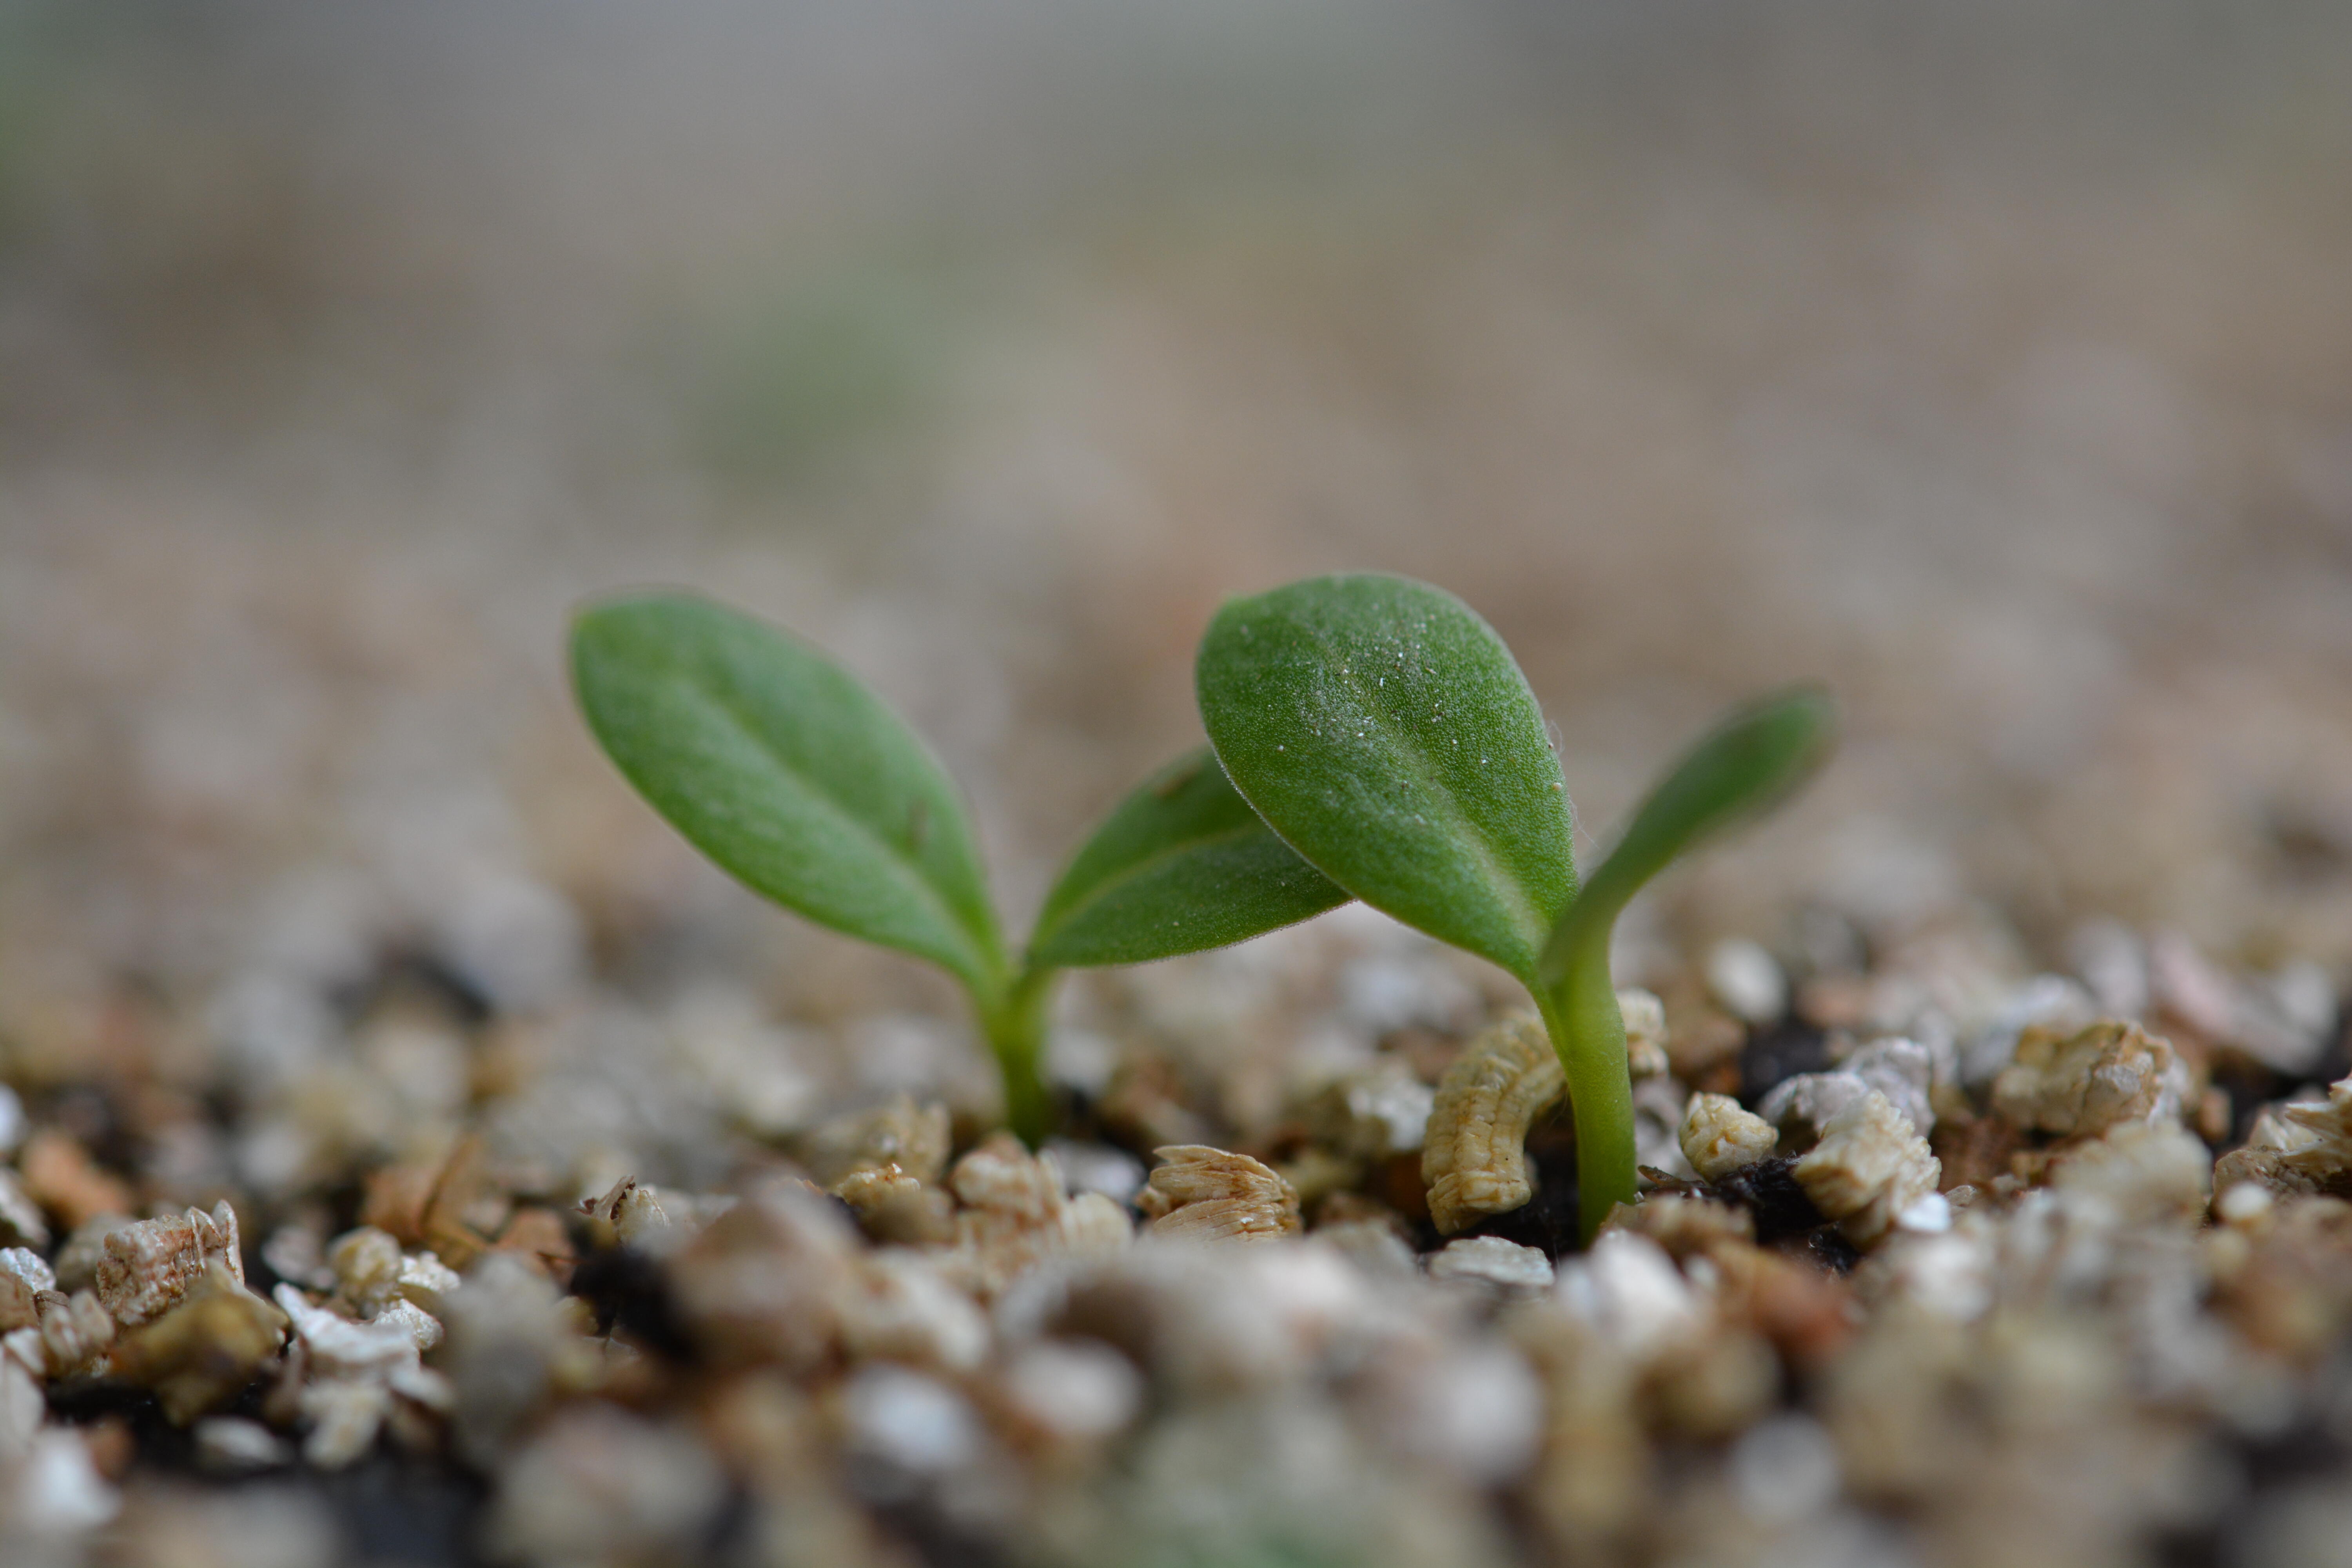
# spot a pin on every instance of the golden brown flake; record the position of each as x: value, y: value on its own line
x: 1213, y: 1193
x: 1870, y: 1165
x: 2080, y: 1084
x: 448, y: 1206
x: 1974, y: 1149
x: 633, y: 1213
x: 1720, y: 1136
x: 538, y: 1237
x: 74, y: 1331
x: 1016, y: 1215
x: 2267, y: 1168
x: 2297, y: 1147
x: 1808, y: 1315
x: 366, y: 1264
x: 23, y: 1277
x: 204, y: 1350
x: 1474, y: 1160
x: 147, y: 1266
x: 2290, y: 1291
x: 892, y: 1204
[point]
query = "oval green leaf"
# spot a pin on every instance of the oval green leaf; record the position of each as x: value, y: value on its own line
x: 1745, y: 765
x: 1180, y: 865
x: 1382, y: 729
x: 792, y: 775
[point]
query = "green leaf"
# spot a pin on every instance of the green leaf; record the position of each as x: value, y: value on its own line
x: 1384, y: 731
x: 1748, y: 764
x: 1183, y: 864
x: 789, y: 773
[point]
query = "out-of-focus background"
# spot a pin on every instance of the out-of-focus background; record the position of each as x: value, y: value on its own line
x: 1991, y: 361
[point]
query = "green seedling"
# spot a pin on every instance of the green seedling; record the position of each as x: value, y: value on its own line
x: 793, y: 776
x: 1383, y: 729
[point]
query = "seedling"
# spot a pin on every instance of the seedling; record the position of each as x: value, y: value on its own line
x: 1382, y: 729
x: 792, y: 775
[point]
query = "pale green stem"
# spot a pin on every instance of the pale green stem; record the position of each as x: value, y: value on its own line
x: 1578, y: 999
x: 1015, y: 1023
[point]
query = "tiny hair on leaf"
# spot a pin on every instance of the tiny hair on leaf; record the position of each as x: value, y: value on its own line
x: 1381, y: 728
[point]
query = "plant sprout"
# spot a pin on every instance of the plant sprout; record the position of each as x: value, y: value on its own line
x: 789, y: 775
x: 1383, y: 729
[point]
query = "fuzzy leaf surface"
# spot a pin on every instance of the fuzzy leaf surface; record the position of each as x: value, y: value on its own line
x: 786, y: 770
x: 1182, y: 865
x: 1382, y: 729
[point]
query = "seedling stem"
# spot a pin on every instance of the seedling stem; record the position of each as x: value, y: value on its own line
x: 1015, y: 1020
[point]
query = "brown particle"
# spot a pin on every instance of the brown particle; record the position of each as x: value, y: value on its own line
x: 1719, y: 1136
x: 2291, y: 1293
x: 2080, y: 1083
x: 1316, y: 1172
x: 396, y: 1200
x: 1868, y: 1168
x: 1807, y: 1314
x: 1974, y: 1149
x: 63, y: 1179
x: 1015, y: 1214
x: 1428, y: 1052
x: 146, y: 1268
x: 74, y: 1331
x: 762, y: 1429
x: 2267, y: 1167
x: 538, y: 1237
x: 2297, y: 1147
x: 1475, y: 1159
x: 1147, y: 1105
x: 365, y: 1265
x: 893, y: 1204
x: 448, y: 1206
x: 1593, y: 1479
x: 23, y: 1277
x: 2213, y: 1114
x: 206, y: 1349
x: 1199, y: 1191
x: 1397, y: 1183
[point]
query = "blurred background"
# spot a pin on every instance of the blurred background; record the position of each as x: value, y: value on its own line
x: 1987, y: 360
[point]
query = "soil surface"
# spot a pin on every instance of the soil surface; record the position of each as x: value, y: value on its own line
x: 581, y: 1209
